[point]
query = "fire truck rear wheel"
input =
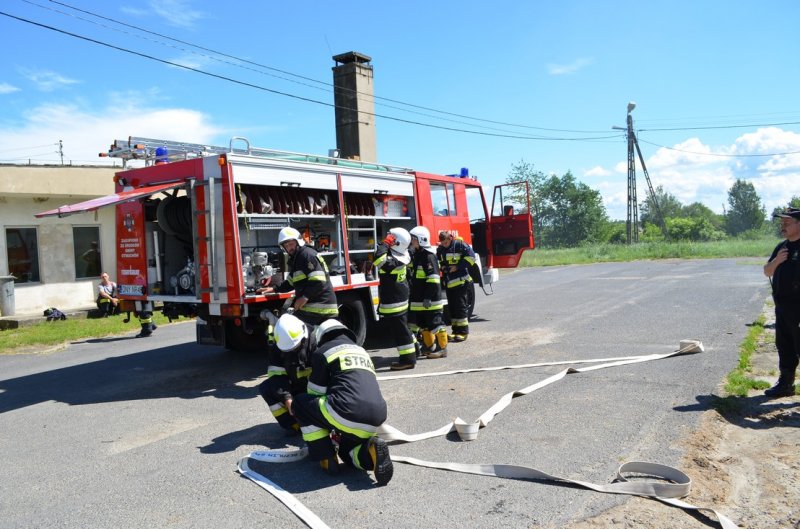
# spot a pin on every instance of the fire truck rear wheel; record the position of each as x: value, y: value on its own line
x: 351, y: 313
x: 237, y: 339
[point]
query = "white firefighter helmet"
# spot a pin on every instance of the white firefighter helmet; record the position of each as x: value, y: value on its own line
x: 400, y: 247
x: 289, y: 233
x: 424, y: 237
x: 329, y: 326
x: 290, y: 332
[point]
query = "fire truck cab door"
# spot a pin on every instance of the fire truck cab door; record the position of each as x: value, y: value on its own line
x: 510, y: 224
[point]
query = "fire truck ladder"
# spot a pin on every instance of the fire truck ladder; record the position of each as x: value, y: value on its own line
x: 208, y: 218
x: 153, y: 151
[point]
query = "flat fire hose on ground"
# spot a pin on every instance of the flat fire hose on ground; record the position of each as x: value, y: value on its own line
x: 678, y: 487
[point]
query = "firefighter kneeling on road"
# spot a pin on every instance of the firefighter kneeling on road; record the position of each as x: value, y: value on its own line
x: 342, y: 396
x: 391, y: 261
x: 426, y: 303
x: 456, y: 258
x: 287, y: 376
x: 314, y: 300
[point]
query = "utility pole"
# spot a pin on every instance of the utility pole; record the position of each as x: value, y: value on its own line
x: 61, y: 150
x: 633, y: 206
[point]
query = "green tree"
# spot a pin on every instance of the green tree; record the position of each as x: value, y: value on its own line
x: 571, y: 212
x: 746, y: 211
x: 669, y: 205
x: 525, y: 172
x: 697, y: 210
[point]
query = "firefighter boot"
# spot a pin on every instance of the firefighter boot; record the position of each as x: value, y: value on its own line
x: 381, y: 461
x: 330, y: 465
x: 146, y: 331
x: 440, y: 350
x: 428, y: 342
x: 784, y: 387
x: 405, y: 362
x: 418, y: 349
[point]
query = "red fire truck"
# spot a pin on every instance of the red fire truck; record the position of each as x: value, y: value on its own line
x: 197, y: 228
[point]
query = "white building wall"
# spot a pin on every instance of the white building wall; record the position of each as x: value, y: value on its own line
x: 21, y: 198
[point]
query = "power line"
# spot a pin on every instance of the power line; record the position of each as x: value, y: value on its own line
x: 725, y: 126
x: 325, y: 84
x: 300, y: 98
x: 31, y: 147
x: 720, y: 154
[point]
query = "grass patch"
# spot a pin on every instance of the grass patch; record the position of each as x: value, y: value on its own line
x: 601, y: 253
x: 58, y: 332
x: 738, y: 381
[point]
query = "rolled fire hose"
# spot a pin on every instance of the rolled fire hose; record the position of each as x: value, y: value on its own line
x: 675, y: 484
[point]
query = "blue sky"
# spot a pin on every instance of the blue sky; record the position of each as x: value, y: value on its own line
x: 726, y: 73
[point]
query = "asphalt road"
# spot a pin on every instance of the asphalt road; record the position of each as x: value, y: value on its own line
x: 128, y: 433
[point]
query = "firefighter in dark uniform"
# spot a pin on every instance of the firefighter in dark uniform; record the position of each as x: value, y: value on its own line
x: 391, y: 261
x: 456, y: 258
x: 783, y: 268
x: 145, y: 317
x: 425, y: 302
x: 287, y: 375
x: 314, y: 299
x: 343, y: 396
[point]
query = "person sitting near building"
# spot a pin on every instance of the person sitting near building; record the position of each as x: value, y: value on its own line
x: 314, y: 298
x: 343, y: 397
x: 107, y: 301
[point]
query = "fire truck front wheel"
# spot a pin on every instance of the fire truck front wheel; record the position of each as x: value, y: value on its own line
x: 351, y: 313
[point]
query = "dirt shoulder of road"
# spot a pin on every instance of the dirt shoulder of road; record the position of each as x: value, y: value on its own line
x: 744, y: 462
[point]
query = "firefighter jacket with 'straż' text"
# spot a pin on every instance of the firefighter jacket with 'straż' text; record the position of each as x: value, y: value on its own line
x: 456, y: 261
x: 425, y: 282
x: 309, y: 278
x: 393, y: 289
x: 344, y: 375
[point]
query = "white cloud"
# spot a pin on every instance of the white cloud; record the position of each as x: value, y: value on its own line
x: 6, y: 88
x: 176, y: 13
x: 564, y: 69
x: 85, y: 134
x: 597, y: 171
x: 47, y: 81
x: 691, y: 171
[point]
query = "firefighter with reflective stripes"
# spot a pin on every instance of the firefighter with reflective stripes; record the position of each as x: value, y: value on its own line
x: 314, y: 299
x: 425, y: 302
x: 391, y: 261
x: 287, y: 373
x: 456, y: 259
x: 145, y: 317
x: 343, y: 397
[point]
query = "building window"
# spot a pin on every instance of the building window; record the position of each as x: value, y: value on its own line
x: 443, y: 198
x: 88, y: 262
x: 22, y: 249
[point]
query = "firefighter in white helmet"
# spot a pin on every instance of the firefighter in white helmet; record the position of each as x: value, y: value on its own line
x: 426, y: 303
x: 343, y: 396
x: 314, y: 299
x: 288, y: 370
x: 391, y: 261
x: 456, y: 259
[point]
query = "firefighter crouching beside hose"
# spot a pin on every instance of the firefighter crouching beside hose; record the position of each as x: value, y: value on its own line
x: 342, y: 397
x: 314, y: 300
x: 391, y: 261
x: 456, y: 258
x: 426, y: 303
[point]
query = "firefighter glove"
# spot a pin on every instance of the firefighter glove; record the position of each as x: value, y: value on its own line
x: 390, y: 240
x: 426, y: 303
